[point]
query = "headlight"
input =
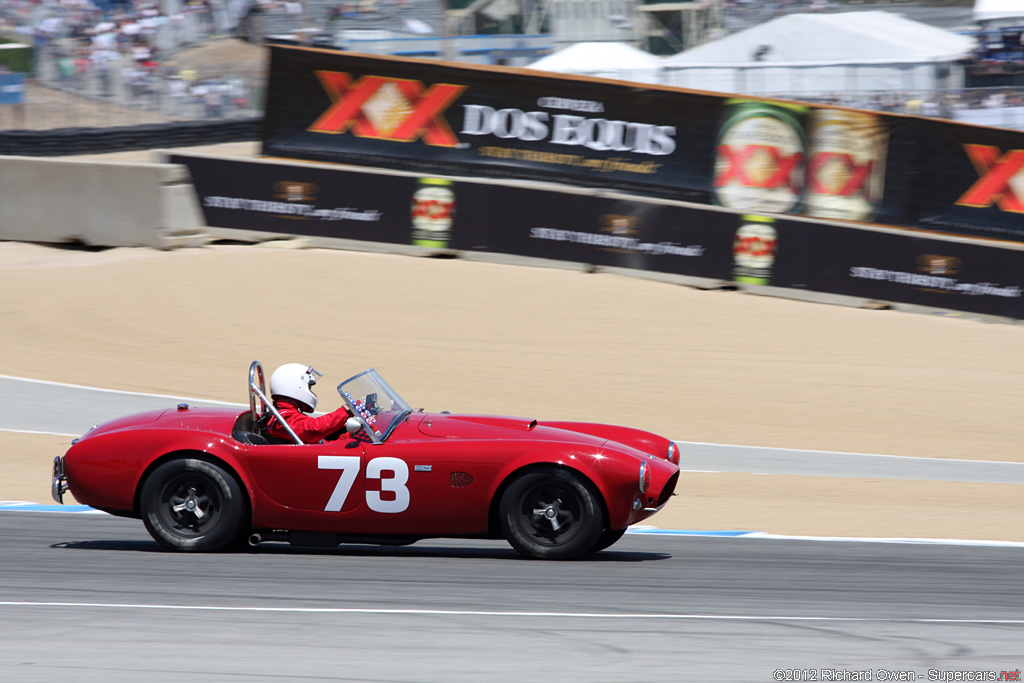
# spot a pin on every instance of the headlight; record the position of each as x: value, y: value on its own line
x: 645, y: 478
x: 673, y: 453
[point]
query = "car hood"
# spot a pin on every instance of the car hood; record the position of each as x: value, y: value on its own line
x: 497, y: 427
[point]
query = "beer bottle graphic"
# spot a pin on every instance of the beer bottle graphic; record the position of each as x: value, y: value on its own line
x: 761, y: 157
x: 753, y: 250
x: 846, y: 166
x: 433, y: 212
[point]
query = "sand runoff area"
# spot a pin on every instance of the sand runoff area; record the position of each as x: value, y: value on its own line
x: 703, y: 366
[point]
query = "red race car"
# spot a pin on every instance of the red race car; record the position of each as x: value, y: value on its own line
x: 205, y: 479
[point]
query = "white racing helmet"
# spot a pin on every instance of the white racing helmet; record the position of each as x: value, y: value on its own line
x: 295, y: 381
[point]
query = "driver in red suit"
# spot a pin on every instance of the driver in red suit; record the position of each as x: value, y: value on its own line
x: 291, y: 388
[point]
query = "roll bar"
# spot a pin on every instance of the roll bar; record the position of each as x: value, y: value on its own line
x: 257, y: 391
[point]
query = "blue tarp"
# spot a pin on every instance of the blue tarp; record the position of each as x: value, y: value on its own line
x: 12, y: 88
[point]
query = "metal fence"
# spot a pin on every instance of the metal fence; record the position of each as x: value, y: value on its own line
x: 122, y: 68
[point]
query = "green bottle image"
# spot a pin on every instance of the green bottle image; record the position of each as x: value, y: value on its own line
x: 753, y: 250
x: 761, y: 157
x: 433, y: 213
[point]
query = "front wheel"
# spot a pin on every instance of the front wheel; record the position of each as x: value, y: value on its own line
x: 192, y: 505
x: 552, y: 515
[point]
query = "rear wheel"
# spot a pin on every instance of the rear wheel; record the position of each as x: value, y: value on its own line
x: 192, y: 505
x: 551, y: 515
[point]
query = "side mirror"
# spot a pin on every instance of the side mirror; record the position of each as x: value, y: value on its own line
x: 353, y: 425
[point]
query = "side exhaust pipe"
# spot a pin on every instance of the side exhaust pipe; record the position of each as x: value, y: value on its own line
x: 258, y: 537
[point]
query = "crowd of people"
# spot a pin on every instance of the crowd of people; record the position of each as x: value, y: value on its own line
x: 126, y: 52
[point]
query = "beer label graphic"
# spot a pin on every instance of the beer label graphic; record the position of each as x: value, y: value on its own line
x: 761, y: 157
x: 753, y: 250
x: 846, y: 169
x: 433, y: 212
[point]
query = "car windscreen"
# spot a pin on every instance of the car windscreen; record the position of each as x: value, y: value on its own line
x: 375, y: 403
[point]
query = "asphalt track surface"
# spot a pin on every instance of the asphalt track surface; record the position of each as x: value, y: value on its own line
x: 91, y: 598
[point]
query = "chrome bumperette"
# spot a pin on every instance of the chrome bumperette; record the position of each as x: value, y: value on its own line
x: 59, y: 484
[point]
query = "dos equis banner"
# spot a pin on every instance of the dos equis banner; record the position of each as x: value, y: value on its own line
x: 443, y: 119
x: 749, y: 155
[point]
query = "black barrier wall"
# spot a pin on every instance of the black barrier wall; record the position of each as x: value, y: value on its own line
x: 649, y: 235
x: 65, y: 141
x: 762, y: 156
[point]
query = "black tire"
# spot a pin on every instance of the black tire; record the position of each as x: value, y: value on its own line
x: 551, y: 515
x: 607, y: 538
x: 192, y: 505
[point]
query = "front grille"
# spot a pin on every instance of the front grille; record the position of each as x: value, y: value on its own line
x: 670, y: 487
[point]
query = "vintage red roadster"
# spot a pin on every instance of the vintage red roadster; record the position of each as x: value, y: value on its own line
x: 206, y: 479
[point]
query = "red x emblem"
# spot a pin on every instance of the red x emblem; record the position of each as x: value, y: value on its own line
x: 405, y: 110
x: 783, y: 166
x: 996, y: 173
x: 856, y: 181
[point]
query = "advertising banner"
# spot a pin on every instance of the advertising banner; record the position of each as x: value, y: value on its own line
x: 443, y: 119
x: 299, y: 200
x: 907, y: 268
x: 600, y: 231
x: 750, y: 249
x: 750, y: 155
x: 927, y: 272
x: 970, y: 180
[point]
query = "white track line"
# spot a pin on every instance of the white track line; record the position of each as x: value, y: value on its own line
x: 495, y: 613
x: 117, y: 391
x: 863, y: 455
x: 29, y: 431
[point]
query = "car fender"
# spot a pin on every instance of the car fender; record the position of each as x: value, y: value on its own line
x: 645, y: 441
x: 612, y: 472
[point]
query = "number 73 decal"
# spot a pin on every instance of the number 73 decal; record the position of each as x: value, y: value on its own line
x: 397, y: 472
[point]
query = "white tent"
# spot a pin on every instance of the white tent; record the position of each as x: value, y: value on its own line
x: 605, y: 60
x: 852, y: 54
x: 998, y: 10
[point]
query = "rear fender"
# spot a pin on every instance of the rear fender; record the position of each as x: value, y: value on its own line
x: 230, y: 465
x: 106, y: 470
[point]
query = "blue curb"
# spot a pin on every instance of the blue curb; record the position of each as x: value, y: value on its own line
x: 684, y: 532
x: 32, y: 507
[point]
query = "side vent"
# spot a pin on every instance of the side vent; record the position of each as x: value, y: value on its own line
x: 460, y: 480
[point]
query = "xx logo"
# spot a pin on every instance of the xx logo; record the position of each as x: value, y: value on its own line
x: 759, y: 166
x: 854, y: 182
x: 387, y: 108
x: 997, y: 182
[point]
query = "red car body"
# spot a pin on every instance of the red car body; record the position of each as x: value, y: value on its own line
x: 433, y: 475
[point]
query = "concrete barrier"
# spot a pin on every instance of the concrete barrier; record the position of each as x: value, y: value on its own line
x: 98, y: 203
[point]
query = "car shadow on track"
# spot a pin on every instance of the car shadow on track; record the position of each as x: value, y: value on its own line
x: 283, y: 550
